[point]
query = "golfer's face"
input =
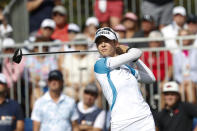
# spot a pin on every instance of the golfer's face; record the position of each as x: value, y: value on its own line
x: 106, y: 47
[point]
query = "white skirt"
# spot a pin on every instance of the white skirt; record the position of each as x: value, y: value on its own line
x: 145, y: 124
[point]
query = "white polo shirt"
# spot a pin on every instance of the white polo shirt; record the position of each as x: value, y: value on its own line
x: 55, y: 116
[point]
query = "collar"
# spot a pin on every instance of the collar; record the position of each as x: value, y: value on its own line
x: 176, y: 27
x: 81, y: 108
x: 48, y: 97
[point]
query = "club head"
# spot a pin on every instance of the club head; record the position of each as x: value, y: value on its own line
x: 17, y: 56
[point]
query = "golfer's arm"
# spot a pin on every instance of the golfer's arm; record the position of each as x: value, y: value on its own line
x: 132, y: 55
x: 145, y: 75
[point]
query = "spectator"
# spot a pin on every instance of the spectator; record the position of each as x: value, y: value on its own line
x: 12, y: 71
x: 130, y: 23
x: 38, y: 11
x: 73, y: 30
x: 39, y: 67
x: 153, y: 59
x: 47, y: 29
x: 179, y: 19
x: 78, y: 68
x: 147, y: 25
x: 192, y: 24
x: 61, y: 30
x: 121, y: 30
x: 161, y: 10
x: 176, y: 115
x: 55, y: 111
x: 92, y: 25
x: 91, y: 118
x: 185, y: 69
x: 109, y: 12
x: 5, y: 29
x: 11, y: 115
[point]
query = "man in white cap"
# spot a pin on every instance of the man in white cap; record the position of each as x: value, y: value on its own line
x: 119, y: 79
x: 92, y: 25
x: 11, y: 115
x: 47, y: 28
x: 179, y: 19
x: 73, y: 30
x: 60, y: 17
x: 176, y: 115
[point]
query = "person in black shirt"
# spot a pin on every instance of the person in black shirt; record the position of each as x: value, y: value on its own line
x: 11, y: 115
x: 176, y: 115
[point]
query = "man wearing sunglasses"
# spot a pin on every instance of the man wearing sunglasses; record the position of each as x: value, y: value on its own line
x: 119, y: 81
x: 60, y: 17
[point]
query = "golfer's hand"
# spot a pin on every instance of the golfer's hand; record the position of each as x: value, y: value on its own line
x: 124, y: 48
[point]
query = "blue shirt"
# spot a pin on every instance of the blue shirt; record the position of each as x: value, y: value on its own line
x: 10, y: 112
x: 55, y: 116
x: 38, y: 15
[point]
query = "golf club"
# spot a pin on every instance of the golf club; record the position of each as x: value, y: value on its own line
x: 17, y: 57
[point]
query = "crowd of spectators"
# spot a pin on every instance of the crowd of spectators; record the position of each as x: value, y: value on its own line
x: 62, y: 87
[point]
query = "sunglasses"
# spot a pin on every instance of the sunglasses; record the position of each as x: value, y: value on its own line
x: 49, y: 28
x: 58, y: 14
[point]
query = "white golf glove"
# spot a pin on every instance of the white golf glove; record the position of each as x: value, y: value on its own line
x: 102, y: 5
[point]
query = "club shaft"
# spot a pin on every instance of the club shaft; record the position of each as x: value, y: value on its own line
x: 60, y: 52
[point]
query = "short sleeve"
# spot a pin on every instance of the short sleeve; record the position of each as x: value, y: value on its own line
x: 19, y: 113
x: 74, y: 114
x: 100, y: 120
x: 37, y: 112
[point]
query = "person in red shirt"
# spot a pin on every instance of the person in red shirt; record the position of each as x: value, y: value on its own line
x: 61, y: 30
x: 160, y: 62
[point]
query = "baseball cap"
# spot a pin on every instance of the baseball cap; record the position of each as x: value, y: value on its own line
x: 179, y: 10
x: 93, y: 21
x: 120, y: 27
x: 8, y: 42
x: 155, y: 34
x: 148, y: 18
x: 192, y: 18
x: 48, y: 23
x: 80, y: 37
x: 55, y: 75
x: 60, y: 9
x: 2, y: 79
x: 91, y: 88
x: 73, y: 28
x: 171, y: 86
x: 107, y: 32
x: 131, y: 16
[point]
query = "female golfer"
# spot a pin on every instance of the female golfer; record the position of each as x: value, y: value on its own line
x: 119, y: 81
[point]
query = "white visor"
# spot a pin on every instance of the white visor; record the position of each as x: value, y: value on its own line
x: 110, y: 34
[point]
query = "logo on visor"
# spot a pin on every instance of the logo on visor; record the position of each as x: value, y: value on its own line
x: 104, y: 32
